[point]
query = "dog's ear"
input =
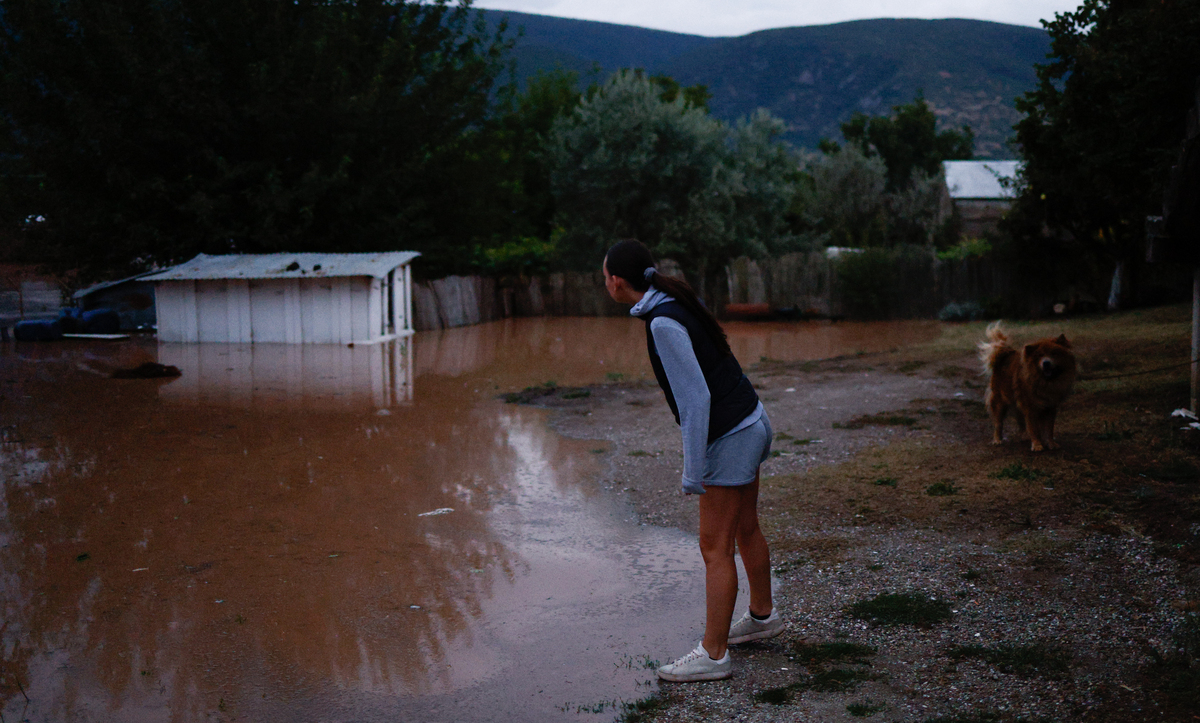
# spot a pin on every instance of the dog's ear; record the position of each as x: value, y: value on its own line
x: 1062, y: 341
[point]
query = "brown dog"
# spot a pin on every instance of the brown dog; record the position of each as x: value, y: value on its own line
x: 1035, y: 379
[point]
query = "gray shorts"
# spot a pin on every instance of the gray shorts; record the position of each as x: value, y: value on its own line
x: 734, y: 460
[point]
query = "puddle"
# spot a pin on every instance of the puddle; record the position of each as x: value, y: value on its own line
x: 251, y: 541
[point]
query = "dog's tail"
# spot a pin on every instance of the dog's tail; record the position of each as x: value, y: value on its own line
x: 990, y: 348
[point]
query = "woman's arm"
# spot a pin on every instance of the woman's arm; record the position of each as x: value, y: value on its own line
x: 691, y: 396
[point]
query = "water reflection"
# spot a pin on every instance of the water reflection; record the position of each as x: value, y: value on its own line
x: 304, y: 375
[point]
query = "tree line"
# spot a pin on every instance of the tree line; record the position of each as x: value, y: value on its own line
x: 136, y: 133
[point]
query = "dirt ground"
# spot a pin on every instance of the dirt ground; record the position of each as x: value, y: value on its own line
x: 1058, y: 586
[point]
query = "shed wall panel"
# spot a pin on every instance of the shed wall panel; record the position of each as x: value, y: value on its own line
x: 178, y: 322
x: 375, y: 307
x: 237, y: 299
x: 168, y: 311
x: 360, y: 308
x: 267, y: 312
x: 212, y: 311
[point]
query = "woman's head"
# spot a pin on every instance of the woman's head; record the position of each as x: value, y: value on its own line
x: 628, y: 260
x: 629, y: 273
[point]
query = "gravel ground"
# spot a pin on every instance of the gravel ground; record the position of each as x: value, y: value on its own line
x: 1100, y: 615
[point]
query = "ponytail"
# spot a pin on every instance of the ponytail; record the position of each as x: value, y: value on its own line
x: 632, y: 261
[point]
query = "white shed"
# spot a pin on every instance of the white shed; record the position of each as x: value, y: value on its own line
x: 286, y: 298
x: 980, y: 180
x: 977, y: 190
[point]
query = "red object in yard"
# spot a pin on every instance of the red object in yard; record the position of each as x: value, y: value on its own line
x: 748, y: 311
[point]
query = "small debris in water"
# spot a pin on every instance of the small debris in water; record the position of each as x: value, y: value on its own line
x: 141, y: 569
x: 384, y: 413
x: 149, y: 370
x: 438, y: 511
x: 790, y: 389
x: 414, y: 607
x: 220, y: 601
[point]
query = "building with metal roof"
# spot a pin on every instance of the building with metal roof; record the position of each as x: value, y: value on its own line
x: 291, y: 298
x: 980, y: 192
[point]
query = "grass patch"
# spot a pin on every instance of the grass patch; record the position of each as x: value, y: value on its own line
x: 1110, y: 433
x: 805, y: 441
x: 837, y: 680
x: 1024, y: 661
x: 577, y: 394
x: 865, y: 709
x: 877, y: 420
x: 641, y: 710
x: 886, y: 482
x: 529, y: 395
x: 1178, y: 675
x: 614, y: 376
x: 1019, y: 472
x: 810, y: 654
x: 909, y: 367
x: 900, y: 609
x: 1174, y: 470
x: 774, y: 696
x: 640, y: 453
x: 945, y: 488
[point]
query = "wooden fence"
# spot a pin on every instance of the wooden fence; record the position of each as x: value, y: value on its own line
x: 920, y: 285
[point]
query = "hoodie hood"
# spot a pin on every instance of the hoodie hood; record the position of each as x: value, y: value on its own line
x: 653, y: 298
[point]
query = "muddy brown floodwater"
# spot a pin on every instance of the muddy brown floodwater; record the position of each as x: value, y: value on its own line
x: 302, y: 533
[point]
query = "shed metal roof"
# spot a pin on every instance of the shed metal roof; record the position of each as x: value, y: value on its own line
x: 980, y: 179
x: 109, y: 284
x: 285, y: 266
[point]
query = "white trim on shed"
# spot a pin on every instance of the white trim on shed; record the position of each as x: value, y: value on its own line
x: 286, y: 298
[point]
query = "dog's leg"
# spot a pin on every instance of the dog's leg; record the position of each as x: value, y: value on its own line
x: 1051, y: 414
x: 1033, y: 427
x: 998, y: 410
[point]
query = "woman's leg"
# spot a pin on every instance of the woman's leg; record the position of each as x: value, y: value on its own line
x: 720, y: 512
x: 756, y: 557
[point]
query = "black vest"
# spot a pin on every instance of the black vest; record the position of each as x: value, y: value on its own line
x: 732, y: 395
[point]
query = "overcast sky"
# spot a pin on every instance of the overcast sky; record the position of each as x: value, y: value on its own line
x: 738, y: 17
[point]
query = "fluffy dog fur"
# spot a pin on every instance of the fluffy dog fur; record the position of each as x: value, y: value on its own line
x: 1035, y: 379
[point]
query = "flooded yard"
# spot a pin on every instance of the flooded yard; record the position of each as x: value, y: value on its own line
x: 332, y: 533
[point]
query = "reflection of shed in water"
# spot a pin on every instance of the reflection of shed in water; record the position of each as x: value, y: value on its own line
x: 287, y: 298
x: 326, y: 376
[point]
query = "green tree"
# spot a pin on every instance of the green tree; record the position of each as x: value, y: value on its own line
x: 844, y: 200
x: 147, y: 131
x: 628, y: 163
x: 908, y: 141
x: 1098, y: 134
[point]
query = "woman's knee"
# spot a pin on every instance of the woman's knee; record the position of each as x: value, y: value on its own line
x: 716, y: 546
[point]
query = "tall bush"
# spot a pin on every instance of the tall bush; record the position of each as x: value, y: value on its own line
x: 630, y: 162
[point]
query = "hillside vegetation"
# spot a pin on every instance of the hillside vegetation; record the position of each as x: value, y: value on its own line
x: 816, y: 77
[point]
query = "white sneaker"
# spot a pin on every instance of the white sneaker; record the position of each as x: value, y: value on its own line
x: 696, y: 666
x: 747, y: 628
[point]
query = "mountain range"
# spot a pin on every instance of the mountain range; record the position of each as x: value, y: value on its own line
x: 813, y: 77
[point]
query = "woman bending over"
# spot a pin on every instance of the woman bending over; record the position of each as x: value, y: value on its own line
x: 726, y: 436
